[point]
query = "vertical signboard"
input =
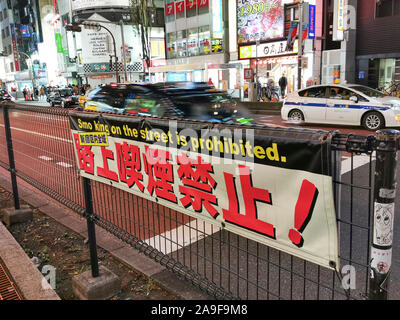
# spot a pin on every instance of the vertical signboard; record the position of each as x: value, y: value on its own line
x: 59, y: 43
x: 311, y: 21
x: 14, y: 46
x: 339, y: 10
x: 217, y: 28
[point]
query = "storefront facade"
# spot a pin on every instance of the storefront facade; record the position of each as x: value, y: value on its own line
x: 195, y: 37
x: 261, y: 32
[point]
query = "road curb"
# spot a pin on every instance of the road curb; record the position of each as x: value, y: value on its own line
x: 116, y: 247
x: 27, y: 278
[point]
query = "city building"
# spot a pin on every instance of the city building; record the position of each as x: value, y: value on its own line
x: 259, y: 33
x: 98, y: 50
x: 196, y: 34
x: 378, y: 43
x: 20, y: 34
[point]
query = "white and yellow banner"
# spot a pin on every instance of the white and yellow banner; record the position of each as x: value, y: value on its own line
x: 261, y: 184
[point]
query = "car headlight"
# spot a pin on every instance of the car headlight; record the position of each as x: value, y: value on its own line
x: 393, y: 106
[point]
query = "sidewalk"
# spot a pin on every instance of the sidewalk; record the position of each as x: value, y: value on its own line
x: 18, y: 261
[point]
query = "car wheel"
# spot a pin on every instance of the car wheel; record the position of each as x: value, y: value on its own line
x: 296, y: 115
x: 373, y: 121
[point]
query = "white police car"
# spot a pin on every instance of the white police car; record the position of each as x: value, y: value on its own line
x: 348, y: 104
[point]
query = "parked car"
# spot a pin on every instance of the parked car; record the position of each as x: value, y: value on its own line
x: 196, y: 101
x: 5, y: 96
x: 63, y: 98
x: 349, y: 104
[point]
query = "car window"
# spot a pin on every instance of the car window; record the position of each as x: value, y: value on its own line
x: 112, y: 98
x: 340, y: 93
x: 143, y: 104
x: 93, y: 92
x: 316, y: 92
x: 369, y: 91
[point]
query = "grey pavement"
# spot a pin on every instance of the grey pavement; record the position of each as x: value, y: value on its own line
x: 15, y: 258
x: 42, y: 103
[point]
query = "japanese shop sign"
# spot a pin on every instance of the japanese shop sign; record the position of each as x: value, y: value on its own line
x: 14, y: 47
x: 340, y: 15
x: 259, y: 20
x: 263, y: 186
x: 270, y: 49
x: 202, y: 3
x: 180, y: 6
x: 169, y: 9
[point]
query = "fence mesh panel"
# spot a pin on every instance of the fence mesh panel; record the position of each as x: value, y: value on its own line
x: 223, y: 264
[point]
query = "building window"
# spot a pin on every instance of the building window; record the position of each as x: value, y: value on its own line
x: 191, y: 8
x: 9, y: 49
x: 7, y: 31
x: 181, y: 43
x: 204, y: 40
x: 203, y: 6
x: 5, y: 13
x: 180, y: 9
x: 1, y: 16
x: 387, y: 8
x: 291, y: 14
x: 157, y: 48
x: 169, y: 10
x: 193, y: 42
x: 171, y: 45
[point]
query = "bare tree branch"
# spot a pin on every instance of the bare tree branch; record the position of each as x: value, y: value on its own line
x: 142, y: 15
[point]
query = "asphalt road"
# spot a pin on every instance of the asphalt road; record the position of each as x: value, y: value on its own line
x: 43, y: 150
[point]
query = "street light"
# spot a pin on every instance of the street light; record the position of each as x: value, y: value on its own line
x: 76, y: 27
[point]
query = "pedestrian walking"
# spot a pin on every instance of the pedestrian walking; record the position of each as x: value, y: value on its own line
x: 35, y: 93
x: 41, y: 93
x: 283, y: 85
x: 24, y: 92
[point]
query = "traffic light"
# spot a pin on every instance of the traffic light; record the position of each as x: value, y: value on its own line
x: 73, y: 27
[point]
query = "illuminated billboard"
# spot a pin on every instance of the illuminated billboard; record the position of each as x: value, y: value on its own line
x: 260, y: 20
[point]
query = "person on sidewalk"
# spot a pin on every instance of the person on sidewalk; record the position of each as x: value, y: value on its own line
x: 283, y: 85
x: 24, y: 92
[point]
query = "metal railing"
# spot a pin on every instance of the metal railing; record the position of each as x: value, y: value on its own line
x: 223, y: 264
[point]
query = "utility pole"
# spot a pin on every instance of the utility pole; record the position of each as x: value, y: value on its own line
x: 123, y: 56
x: 300, y: 45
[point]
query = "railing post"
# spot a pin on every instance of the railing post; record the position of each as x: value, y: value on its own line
x: 11, y: 161
x: 383, y: 213
x: 87, y: 189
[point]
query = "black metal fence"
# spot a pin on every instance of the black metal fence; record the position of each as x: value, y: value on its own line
x: 223, y: 264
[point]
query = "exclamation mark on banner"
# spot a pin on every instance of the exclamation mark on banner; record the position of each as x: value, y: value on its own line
x: 303, y: 211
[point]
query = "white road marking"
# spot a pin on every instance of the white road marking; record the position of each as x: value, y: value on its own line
x: 64, y: 164
x: 45, y: 158
x: 184, y: 235
x: 358, y: 161
x: 60, y: 163
x: 40, y: 134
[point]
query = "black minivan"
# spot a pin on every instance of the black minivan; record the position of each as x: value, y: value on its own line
x: 182, y: 100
